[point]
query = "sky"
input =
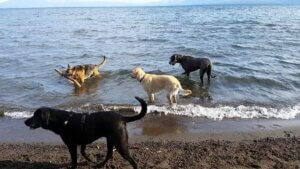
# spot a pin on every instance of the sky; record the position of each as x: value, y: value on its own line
x: 96, y: 3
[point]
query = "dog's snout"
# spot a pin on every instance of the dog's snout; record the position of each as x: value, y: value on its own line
x: 30, y: 123
x: 27, y: 122
x: 171, y: 63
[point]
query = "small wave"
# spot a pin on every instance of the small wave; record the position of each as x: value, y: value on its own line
x: 85, y: 55
x: 291, y: 43
x: 270, y: 25
x: 81, y: 32
x: 255, y: 80
x: 152, y: 40
x: 18, y: 114
x: 240, y: 46
x: 221, y: 112
x: 250, y: 22
x: 192, y: 110
x: 88, y: 19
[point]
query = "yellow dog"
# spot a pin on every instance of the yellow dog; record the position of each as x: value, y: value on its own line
x: 154, y: 83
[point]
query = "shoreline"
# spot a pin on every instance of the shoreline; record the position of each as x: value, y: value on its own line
x: 167, y: 127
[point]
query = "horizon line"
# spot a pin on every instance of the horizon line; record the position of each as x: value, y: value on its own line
x: 133, y: 6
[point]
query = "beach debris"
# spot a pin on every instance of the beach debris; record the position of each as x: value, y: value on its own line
x: 288, y: 134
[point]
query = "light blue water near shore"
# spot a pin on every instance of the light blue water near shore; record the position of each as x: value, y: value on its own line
x: 255, y: 51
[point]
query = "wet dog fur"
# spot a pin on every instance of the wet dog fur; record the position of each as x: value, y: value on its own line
x: 82, y: 129
x: 154, y: 83
x: 190, y: 64
x: 83, y: 72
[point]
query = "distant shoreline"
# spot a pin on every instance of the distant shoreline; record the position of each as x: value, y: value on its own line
x: 155, y: 6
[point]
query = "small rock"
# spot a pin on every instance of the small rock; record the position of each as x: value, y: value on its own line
x: 164, y: 164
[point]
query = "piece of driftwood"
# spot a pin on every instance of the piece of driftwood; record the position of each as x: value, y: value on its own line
x: 74, y: 81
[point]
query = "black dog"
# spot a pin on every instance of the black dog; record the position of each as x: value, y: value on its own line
x: 82, y: 129
x: 190, y: 64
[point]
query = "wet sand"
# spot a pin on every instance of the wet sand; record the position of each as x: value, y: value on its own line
x: 165, y: 142
x: 155, y: 127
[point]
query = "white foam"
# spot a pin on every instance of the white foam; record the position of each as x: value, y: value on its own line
x: 18, y: 114
x: 216, y: 113
x: 221, y: 112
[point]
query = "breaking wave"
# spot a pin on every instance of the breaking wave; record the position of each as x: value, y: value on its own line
x: 191, y: 110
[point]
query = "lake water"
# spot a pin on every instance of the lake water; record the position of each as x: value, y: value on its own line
x: 255, y: 51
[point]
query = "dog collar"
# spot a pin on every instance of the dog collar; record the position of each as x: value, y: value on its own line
x: 142, y: 78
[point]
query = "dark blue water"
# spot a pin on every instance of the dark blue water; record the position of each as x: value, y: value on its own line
x: 255, y: 51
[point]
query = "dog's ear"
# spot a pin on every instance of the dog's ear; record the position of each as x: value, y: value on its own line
x: 69, y: 67
x: 45, y: 115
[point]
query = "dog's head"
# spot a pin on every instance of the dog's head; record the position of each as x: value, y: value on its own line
x: 70, y: 70
x: 176, y: 58
x: 137, y: 73
x: 40, y: 118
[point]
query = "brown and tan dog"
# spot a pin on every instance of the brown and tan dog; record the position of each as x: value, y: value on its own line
x: 155, y: 83
x: 78, y: 74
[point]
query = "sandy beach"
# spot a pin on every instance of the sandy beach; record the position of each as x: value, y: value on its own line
x: 276, y: 148
x: 262, y: 153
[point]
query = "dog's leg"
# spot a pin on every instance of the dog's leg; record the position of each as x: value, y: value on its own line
x: 186, y: 73
x: 208, y: 72
x: 174, y: 98
x: 169, y: 98
x: 110, y: 146
x: 122, y: 147
x: 96, y: 73
x: 151, y: 97
x: 81, y: 80
x: 202, y: 71
x: 82, y: 151
x: 73, y: 151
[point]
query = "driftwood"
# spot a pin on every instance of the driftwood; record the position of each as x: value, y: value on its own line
x: 72, y: 80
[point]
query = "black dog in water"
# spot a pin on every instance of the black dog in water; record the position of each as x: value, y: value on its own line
x: 82, y: 129
x: 190, y: 64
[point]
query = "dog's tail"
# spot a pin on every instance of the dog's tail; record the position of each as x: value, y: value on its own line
x: 102, y: 63
x: 185, y: 92
x: 142, y: 113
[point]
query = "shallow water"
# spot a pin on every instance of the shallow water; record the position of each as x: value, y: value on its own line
x: 153, y: 126
x: 254, y: 49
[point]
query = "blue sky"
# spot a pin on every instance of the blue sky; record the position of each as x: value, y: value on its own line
x: 84, y: 3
